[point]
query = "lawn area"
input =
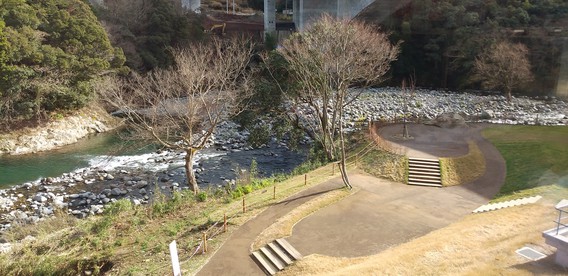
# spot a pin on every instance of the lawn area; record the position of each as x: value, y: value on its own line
x: 535, y: 155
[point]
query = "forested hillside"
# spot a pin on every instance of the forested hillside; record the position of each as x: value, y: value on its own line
x: 443, y: 37
x: 50, y: 52
x: 148, y: 30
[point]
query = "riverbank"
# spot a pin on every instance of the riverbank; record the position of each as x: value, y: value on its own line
x: 88, y: 190
x: 139, y: 177
x: 58, y: 132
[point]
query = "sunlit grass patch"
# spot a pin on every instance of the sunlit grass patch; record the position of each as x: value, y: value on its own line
x: 535, y: 155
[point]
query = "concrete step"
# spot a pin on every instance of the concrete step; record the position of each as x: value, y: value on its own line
x: 422, y: 176
x: 433, y: 162
x: 424, y: 169
x: 414, y: 179
x: 419, y: 174
x: 264, y: 263
x: 420, y: 183
x: 281, y: 254
x: 423, y: 166
x: 289, y: 249
x: 273, y: 258
x: 507, y: 204
x: 423, y: 159
x: 424, y: 172
x: 430, y: 173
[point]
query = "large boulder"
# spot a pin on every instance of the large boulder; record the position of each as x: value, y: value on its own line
x: 448, y: 120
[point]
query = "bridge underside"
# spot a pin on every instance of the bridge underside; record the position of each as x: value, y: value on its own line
x: 307, y: 11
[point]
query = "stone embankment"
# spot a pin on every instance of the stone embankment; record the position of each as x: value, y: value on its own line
x: 58, y: 133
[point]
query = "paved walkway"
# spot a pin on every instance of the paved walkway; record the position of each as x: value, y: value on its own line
x: 380, y: 215
x: 233, y: 258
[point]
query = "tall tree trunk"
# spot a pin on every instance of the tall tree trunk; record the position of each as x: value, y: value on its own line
x: 342, y: 163
x: 190, y: 174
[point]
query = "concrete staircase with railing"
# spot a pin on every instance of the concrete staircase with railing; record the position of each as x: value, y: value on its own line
x: 424, y: 172
x: 275, y: 256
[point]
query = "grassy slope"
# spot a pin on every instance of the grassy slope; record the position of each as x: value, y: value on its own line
x: 535, y: 155
x: 460, y: 170
x: 481, y: 244
x: 133, y: 240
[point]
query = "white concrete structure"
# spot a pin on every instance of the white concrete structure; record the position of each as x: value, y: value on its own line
x: 307, y: 11
x: 193, y: 5
x: 558, y: 236
x: 269, y: 16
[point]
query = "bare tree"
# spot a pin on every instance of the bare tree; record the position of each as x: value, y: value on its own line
x: 326, y: 59
x: 180, y: 107
x: 133, y: 13
x: 503, y: 66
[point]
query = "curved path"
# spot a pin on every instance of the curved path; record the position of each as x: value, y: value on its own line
x: 381, y: 214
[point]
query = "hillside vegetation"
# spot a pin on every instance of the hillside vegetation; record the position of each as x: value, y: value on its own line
x: 50, y: 52
x: 443, y: 38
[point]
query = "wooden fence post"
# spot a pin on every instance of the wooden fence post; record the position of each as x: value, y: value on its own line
x: 274, y: 194
x: 225, y: 223
x: 204, y: 243
x: 244, y: 206
x: 305, y: 179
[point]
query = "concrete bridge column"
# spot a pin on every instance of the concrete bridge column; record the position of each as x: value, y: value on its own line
x: 298, y: 14
x: 306, y: 11
x: 193, y: 5
x: 269, y: 16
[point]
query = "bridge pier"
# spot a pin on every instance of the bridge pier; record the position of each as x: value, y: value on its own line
x: 193, y: 5
x: 307, y: 11
x: 269, y: 17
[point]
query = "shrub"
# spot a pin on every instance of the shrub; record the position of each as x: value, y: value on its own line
x: 237, y: 193
x: 202, y: 196
x: 118, y: 206
x: 247, y: 189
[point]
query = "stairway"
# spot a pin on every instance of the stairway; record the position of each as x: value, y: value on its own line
x: 507, y: 204
x: 424, y: 172
x: 275, y: 256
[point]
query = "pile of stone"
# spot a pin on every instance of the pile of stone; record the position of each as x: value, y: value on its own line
x: 425, y: 104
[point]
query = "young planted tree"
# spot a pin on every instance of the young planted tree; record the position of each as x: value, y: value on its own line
x: 180, y: 107
x: 326, y: 59
x: 503, y: 66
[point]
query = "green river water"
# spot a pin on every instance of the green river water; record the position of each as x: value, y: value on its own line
x: 21, y: 168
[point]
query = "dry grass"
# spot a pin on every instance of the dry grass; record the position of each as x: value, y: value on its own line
x: 134, y: 240
x: 479, y: 244
x: 284, y: 225
x: 463, y: 169
x: 379, y: 157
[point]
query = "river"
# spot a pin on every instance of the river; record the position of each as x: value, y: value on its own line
x: 108, y: 151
